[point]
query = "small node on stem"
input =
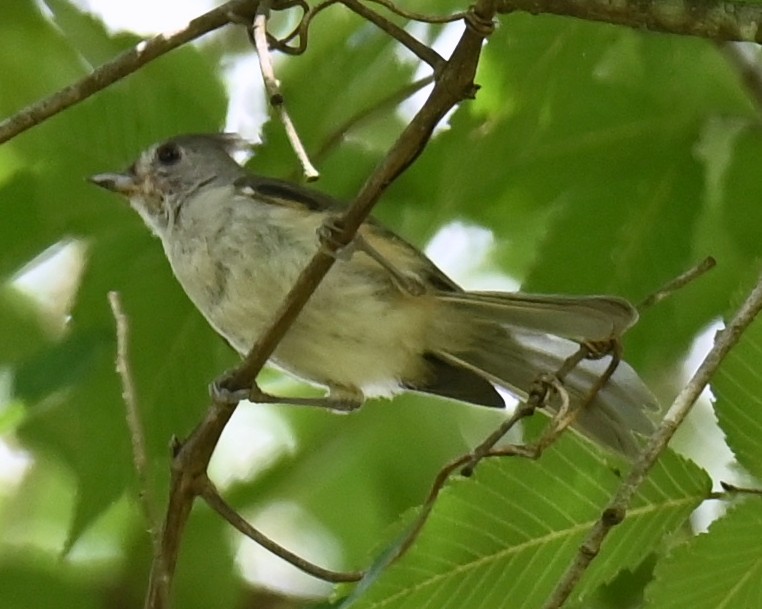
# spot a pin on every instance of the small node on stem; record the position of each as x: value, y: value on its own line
x: 483, y: 26
x: 613, y: 516
x: 175, y: 446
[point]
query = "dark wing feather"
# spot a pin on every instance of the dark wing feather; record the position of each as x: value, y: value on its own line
x: 457, y: 383
x: 280, y: 192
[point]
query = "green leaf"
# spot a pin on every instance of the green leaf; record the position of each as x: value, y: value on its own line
x: 737, y: 386
x: 741, y: 212
x: 342, y: 468
x: 503, y: 538
x: 34, y: 580
x: 19, y: 326
x: 76, y: 411
x: 721, y: 568
x: 65, y: 363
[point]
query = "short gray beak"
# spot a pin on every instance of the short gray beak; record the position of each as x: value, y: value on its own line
x: 121, y: 183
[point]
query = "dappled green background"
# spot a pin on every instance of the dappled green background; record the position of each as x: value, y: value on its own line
x: 602, y: 159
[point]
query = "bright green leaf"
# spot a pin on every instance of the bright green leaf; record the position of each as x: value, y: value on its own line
x: 737, y: 385
x: 503, y: 538
x: 719, y: 569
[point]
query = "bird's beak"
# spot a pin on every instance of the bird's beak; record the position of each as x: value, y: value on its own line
x: 122, y: 183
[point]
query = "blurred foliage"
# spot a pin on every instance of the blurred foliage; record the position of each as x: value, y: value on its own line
x: 602, y: 159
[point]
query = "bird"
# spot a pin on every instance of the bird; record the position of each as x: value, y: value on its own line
x: 385, y: 319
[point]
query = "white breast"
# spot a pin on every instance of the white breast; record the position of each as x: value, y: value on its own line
x: 237, y: 260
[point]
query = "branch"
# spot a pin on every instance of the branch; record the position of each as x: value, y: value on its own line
x: 454, y: 83
x: 724, y: 20
x: 188, y: 480
x: 219, y: 505
x: 615, y: 511
x: 126, y: 63
x: 391, y: 100
x: 732, y: 489
x: 423, y: 52
x: 137, y: 435
x: 415, y: 16
x: 732, y: 20
x: 679, y: 282
x: 561, y: 420
x: 258, y: 35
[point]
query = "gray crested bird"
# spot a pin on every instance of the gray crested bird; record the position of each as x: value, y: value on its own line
x: 385, y: 319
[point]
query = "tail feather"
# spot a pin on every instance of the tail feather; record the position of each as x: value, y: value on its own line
x: 513, y: 359
x: 575, y: 317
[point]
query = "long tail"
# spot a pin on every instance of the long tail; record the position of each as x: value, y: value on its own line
x: 510, y: 353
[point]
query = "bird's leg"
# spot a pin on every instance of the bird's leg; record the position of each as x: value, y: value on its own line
x: 340, y: 399
x: 328, y: 235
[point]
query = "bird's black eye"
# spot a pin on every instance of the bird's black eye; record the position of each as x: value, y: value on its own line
x: 168, y: 154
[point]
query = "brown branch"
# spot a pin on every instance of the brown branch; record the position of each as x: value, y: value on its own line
x: 677, y: 283
x: 414, y: 16
x: 420, y: 50
x: 466, y: 463
x: 391, y: 100
x: 126, y: 63
x: 733, y: 20
x: 724, y: 20
x: 462, y: 464
x: 302, y: 29
x: 219, y: 505
x: 454, y: 83
x: 258, y: 35
x: 134, y: 423
x: 188, y: 479
x: 732, y: 489
x: 615, y: 511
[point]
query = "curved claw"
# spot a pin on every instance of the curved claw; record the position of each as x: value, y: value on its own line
x: 222, y: 395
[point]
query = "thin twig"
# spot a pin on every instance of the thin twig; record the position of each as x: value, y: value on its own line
x: 134, y: 422
x: 302, y: 29
x: 677, y: 283
x: 615, y: 511
x: 274, y: 95
x: 390, y: 100
x: 219, y: 505
x: 420, y: 50
x: 723, y: 20
x: 741, y: 490
x: 524, y: 409
x: 538, y: 398
x: 425, y: 53
x: 126, y: 63
x: 466, y: 463
x: 413, y: 16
